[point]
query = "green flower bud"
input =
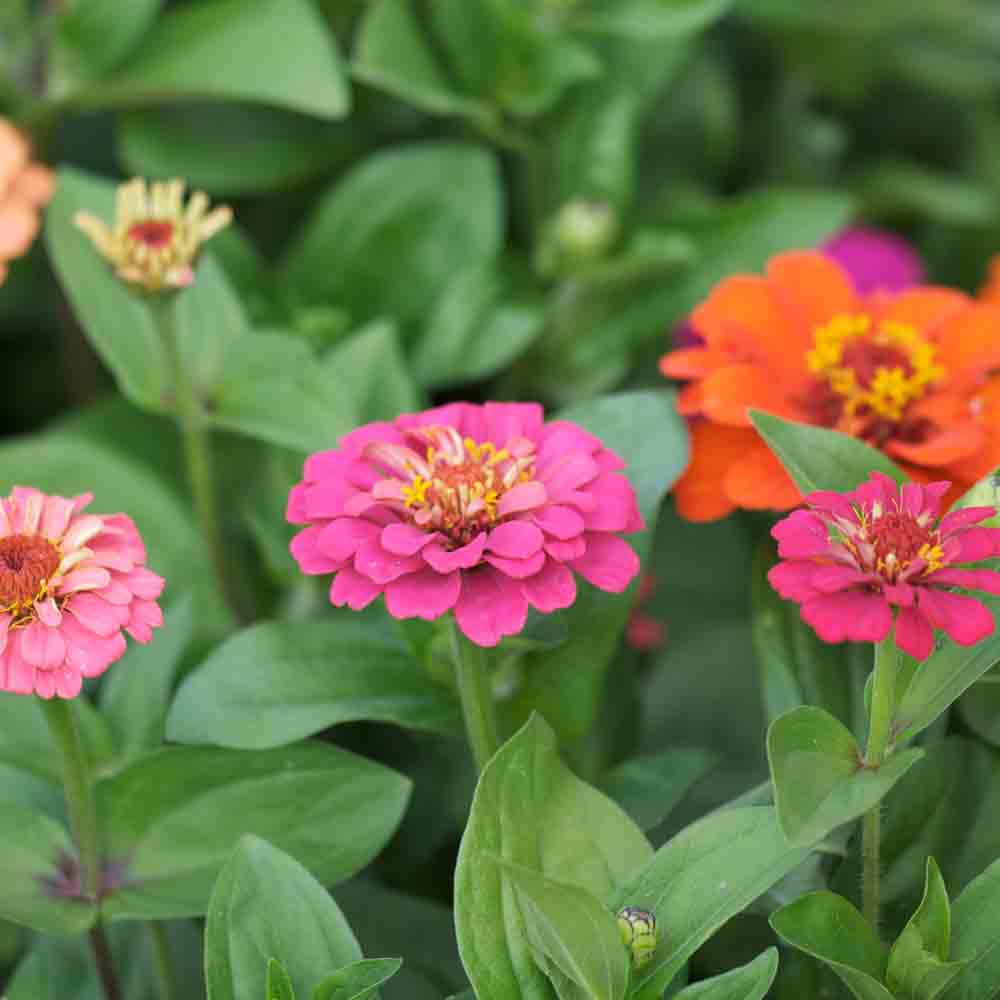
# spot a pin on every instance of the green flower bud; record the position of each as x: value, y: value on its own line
x: 585, y: 229
x: 638, y: 929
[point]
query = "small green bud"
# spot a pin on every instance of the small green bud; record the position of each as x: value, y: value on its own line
x: 585, y: 229
x: 638, y: 929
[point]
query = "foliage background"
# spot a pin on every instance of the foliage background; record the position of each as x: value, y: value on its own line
x: 406, y: 170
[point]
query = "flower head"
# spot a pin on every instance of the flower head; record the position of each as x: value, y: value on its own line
x: 875, y: 259
x: 25, y: 188
x: 480, y: 509
x: 909, y: 373
x: 853, y: 559
x: 639, y: 934
x: 69, y: 583
x: 156, y: 238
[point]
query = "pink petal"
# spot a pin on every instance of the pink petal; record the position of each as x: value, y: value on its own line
x: 116, y: 592
x: 559, y: 437
x: 355, y: 440
x: 912, y: 498
x: 830, y: 579
x: 425, y: 594
x: 85, y: 578
x: 518, y: 568
x: 524, y: 496
x: 490, y: 606
x: 972, y: 579
x: 515, y: 540
x: 19, y: 677
x: 800, y: 535
x: 382, y: 567
x: 914, y: 634
x: 565, y: 474
x: 793, y: 580
x: 406, y: 539
x: 609, y: 461
x: 615, y: 503
x: 566, y: 551
x: 341, y: 537
x: 977, y: 543
x: 964, y: 518
x: 964, y: 619
x: 900, y: 594
x: 5, y: 621
x: 56, y: 516
x: 835, y: 504
x: 352, y: 589
x: 81, y: 531
x: 295, y: 511
x: 551, y: 589
x: 609, y: 563
x: 852, y: 614
x: 560, y: 522
x: 145, y: 583
x: 445, y: 561
x: 68, y: 682
x: 510, y: 420
x: 42, y: 647
x: 95, y: 614
x: 45, y: 684
x: 307, y: 554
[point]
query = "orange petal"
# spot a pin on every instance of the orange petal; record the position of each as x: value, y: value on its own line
x: 18, y: 227
x: 924, y: 308
x: 969, y: 342
x: 35, y: 184
x: 758, y: 481
x: 13, y: 154
x: 942, y: 408
x: 689, y: 400
x: 742, y: 320
x: 811, y: 288
x: 699, y: 492
x: 951, y: 444
x: 990, y: 292
x: 729, y: 392
x: 691, y: 362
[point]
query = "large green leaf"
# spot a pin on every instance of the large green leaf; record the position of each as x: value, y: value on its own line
x: 531, y: 811
x: 387, y: 238
x: 820, y: 780
x: 275, y: 683
x: 828, y: 927
x: 644, y: 19
x: 35, y: 850
x: 116, y: 321
x: 266, y: 905
x: 565, y: 683
x: 92, y: 36
x: 701, y: 878
x: 359, y: 980
x: 225, y: 49
x: 821, y: 459
x: 749, y: 982
x: 177, y: 833
x: 975, y: 937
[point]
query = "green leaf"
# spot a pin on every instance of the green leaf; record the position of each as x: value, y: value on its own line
x: 279, y: 986
x: 980, y: 709
x: 821, y: 459
x: 828, y: 927
x: 135, y: 698
x: 530, y: 810
x: 975, y: 937
x: 226, y: 50
x: 564, y: 684
x: 203, y: 142
x: 265, y: 905
x: 116, y: 321
x: 35, y: 847
x: 749, y: 982
x: 92, y: 36
x: 648, y: 788
x: 820, y: 781
x: 380, y: 383
x: 705, y: 875
x: 573, y: 930
x: 918, y: 962
x: 646, y: 19
x: 386, y: 239
x: 944, y: 677
x: 359, y: 980
x: 392, y: 54
x: 176, y: 833
x: 305, y: 678
x: 486, y: 318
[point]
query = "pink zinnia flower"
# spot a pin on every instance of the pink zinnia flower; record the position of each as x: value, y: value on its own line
x: 854, y: 557
x: 69, y: 583
x: 480, y: 509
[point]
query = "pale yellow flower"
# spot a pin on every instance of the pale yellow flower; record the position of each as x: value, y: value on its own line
x: 156, y: 237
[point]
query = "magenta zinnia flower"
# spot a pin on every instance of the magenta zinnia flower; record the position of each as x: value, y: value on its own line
x: 480, y: 509
x: 854, y: 557
x: 69, y: 583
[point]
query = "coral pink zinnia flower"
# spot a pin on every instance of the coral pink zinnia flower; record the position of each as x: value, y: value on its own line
x: 69, y: 583
x: 484, y: 509
x: 854, y: 557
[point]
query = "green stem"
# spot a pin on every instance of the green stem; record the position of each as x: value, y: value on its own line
x: 883, y: 695
x: 476, y: 695
x: 61, y: 718
x: 197, y: 450
x: 164, y: 966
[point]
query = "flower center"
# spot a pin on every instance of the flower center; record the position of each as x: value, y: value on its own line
x: 153, y: 233
x: 27, y: 562
x: 896, y: 538
x: 458, y: 491
x: 871, y: 373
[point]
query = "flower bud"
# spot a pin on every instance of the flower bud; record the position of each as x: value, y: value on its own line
x: 638, y: 929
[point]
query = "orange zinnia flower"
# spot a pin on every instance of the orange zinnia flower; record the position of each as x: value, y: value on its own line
x: 909, y: 373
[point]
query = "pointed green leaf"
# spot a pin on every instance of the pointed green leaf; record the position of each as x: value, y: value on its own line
x: 279, y: 986
x: 975, y: 937
x: 706, y: 874
x: 359, y: 980
x: 828, y: 927
x: 749, y: 982
x: 820, y: 781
